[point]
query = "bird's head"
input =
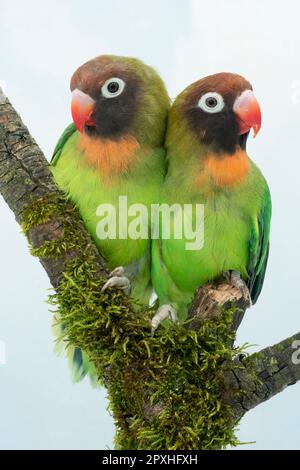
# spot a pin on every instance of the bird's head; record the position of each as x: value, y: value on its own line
x: 113, y: 96
x: 219, y: 110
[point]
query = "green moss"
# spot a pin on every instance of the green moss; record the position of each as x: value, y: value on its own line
x: 55, y: 249
x: 279, y: 347
x: 48, y: 250
x: 178, y: 371
x: 42, y: 210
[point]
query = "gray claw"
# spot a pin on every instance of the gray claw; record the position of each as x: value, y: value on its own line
x: 234, y: 278
x: 119, y: 272
x: 163, y: 313
x: 116, y: 281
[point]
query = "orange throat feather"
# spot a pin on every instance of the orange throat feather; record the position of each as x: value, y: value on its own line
x: 225, y: 171
x: 109, y: 156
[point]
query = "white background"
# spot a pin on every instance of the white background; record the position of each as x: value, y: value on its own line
x: 41, y: 44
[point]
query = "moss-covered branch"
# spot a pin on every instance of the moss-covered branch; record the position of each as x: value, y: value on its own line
x: 186, y: 387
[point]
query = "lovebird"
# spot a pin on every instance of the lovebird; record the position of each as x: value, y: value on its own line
x: 209, y: 124
x: 112, y: 150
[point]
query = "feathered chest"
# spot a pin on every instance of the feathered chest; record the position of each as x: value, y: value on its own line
x: 223, y: 171
x: 109, y: 157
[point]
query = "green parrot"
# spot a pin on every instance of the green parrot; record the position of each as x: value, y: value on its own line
x: 208, y: 127
x: 113, y: 151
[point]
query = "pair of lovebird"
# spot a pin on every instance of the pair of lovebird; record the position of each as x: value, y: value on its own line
x: 128, y: 140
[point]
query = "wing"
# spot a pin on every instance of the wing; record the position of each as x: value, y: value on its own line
x: 259, y: 248
x: 60, y: 144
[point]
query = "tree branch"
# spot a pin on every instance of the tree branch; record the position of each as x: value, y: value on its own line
x: 25, y: 180
x: 262, y: 375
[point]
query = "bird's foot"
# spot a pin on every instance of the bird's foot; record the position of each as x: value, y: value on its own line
x: 234, y: 278
x: 164, y: 312
x: 117, y: 279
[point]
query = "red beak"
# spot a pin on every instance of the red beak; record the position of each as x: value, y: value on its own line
x: 82, y: 108
x: 248, y: 112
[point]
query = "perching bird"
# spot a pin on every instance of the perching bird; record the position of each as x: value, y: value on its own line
x: 115, y: 148
x: 208, y: 127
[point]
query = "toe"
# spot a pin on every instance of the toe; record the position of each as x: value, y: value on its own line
x: 115, y: 281
x: 163, y: 313
x: 119, y: 271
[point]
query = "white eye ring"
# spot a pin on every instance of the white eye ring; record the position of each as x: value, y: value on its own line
x: 119, y: 89
x: 216, y: 98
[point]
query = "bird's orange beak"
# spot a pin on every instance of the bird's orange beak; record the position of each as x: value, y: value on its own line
x: 82, y: 108
x: 248, y: 112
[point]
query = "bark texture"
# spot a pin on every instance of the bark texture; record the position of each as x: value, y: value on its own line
x: 262, y: 375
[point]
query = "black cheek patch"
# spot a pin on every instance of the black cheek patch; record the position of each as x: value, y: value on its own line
x: 219, y: 130
x: 113, y: 116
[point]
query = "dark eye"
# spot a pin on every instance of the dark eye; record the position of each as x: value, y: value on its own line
x: 211, y: 102
x: 113, y: 87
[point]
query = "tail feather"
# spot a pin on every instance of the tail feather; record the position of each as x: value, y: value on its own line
x: 80, y: 365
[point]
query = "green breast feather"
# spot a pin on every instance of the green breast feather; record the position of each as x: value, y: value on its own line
x: 236, y: 237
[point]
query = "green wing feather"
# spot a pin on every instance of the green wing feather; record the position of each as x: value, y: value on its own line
x: 60, y: 144
x: 259, y: 249
x: 79, y: 363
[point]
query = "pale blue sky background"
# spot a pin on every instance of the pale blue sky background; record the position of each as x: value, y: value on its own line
x: 41, y: 44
